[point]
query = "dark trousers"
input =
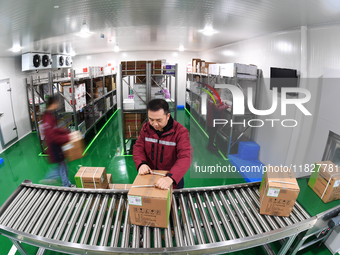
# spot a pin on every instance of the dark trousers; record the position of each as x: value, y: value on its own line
x: 212, y: 133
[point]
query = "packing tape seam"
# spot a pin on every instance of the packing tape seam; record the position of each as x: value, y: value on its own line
x: 330, y: 178
x: 276, y: 182
x: 93, y: 178
x: 81, y: 177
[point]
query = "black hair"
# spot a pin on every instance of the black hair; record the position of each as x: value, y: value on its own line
x: 157, y: 104
x: 51, y: 100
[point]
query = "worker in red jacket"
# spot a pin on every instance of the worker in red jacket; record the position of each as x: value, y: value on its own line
x: 163, y: 144
x: 55, y: 137
x: 214, y: 111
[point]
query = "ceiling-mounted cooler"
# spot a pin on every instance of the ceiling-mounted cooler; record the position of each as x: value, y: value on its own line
x: 36, y: 61
x: 61, y: 61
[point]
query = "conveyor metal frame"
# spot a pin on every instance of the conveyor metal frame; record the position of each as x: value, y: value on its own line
x: 289, y: 232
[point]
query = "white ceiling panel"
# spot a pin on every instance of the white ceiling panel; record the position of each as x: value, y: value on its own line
x: 150, y: 24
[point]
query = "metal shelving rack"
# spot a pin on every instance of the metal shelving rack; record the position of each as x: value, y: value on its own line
x: 125, y: 80
x: 229, y: 136
x: 53, y: 81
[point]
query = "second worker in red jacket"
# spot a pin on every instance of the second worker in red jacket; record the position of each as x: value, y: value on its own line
x: 163, y: 144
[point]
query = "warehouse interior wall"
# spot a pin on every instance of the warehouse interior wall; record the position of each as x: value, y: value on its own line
x: 273, y: 50
x: 10, y: 68
x: 283, y: 49
x: 181, y: 58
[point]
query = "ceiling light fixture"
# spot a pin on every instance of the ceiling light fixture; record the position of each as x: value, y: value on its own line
x: 116, y: 48
x: 181, y: 48
x: 16, y: 48
x: 208, y: 31
x: 85, y: 31
x: 56, y: 7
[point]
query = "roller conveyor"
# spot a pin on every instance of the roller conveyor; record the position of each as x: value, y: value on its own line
x: 209, y: 220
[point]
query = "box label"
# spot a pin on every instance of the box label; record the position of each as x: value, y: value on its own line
x: 135, y: 200
x: 336, y: 183
x: 273, y: 192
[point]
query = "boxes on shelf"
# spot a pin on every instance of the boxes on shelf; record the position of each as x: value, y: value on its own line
x: 128, y: 104
x: 114, y: 100
x: 107, y: 103
x: 79, y: 103
x: 149, y: 206
x: 189, y: 67
x: 132, y: 124
x: 139, y: 88
x: 195, y: 61
x: 91, y: 177
x: 75, y: 148
x: 112, y: 64
x: 278, y: 191
x: 205, y: 67
x: 214, y: 69
x: 325, y: 181
x: 229, y: 70
x: 139, y: 105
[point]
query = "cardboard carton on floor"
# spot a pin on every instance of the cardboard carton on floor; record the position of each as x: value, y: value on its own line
x: 149, y: 206
x: 75, y: 148
x: 325, y: 181
x: 91, y: 177
x: 278, y: 191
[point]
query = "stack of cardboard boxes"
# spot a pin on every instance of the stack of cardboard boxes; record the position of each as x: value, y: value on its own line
x: 132, y: 125
x: 225, y: 69
x: 99, y: 90
x: 139, y: 99
x: 96, y: 178
x: 79, y: 91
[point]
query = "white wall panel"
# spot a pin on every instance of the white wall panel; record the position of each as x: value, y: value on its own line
x: 10, y: 68
x: 274, y: 50
x: 182, y: 58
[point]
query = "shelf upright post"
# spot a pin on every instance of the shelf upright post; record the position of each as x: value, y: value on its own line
x: 35, y: 116
x: 148, y: 82
x: 73, y: 101
x: 104, y: 98
x: 50, y: 84
x: 122, y: 104
x: 28, y: 101
x: 92, y: 101
x: 232, y: 118
x: 176, y: 89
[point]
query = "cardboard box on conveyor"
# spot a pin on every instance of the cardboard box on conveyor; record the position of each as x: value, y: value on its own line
x: 149, y: 206
x: 278, y: 191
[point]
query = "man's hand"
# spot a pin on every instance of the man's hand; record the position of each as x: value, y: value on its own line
x: 144, y: 169
x: 164, y: 182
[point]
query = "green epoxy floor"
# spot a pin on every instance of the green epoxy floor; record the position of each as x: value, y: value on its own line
x: 22, y: 162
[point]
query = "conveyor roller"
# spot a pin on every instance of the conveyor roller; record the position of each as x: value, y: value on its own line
x: 86, y: 221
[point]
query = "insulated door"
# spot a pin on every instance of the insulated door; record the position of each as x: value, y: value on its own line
x: 8, y: 129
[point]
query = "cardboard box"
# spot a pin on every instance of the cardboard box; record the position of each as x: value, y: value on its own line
x: 109, y: 178
x: 194, y: 64
x: 119, y: 186
x: 278, y: 191
x: 149, y: 206
x: 75, y: 148
x: 325, y: 181
x: 91, y: 177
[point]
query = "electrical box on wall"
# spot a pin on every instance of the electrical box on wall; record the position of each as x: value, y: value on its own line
x: 61, y: 61
x: 36, y: 61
